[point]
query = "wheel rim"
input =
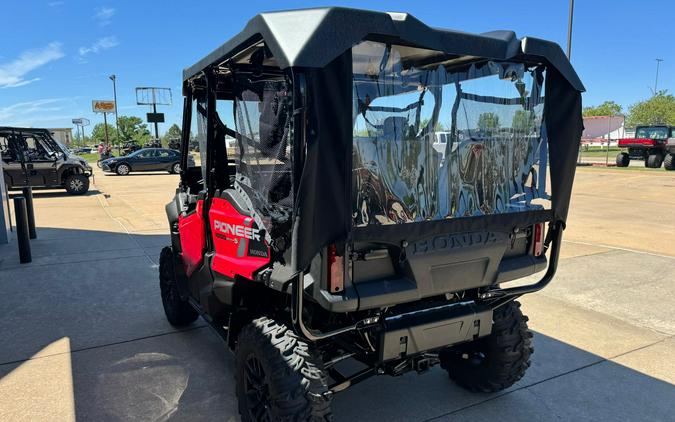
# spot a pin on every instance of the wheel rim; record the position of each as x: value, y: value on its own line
x: 169, y: 294
x: 76, y: 185
x: 176, y: 168
x: 257, y: 392
x: 123, y: 169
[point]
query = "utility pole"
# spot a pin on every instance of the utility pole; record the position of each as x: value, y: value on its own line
x: 105, y: 126
x: 609, y: 133
x: 569, y: 30
x: 113, y: 78
x: 656, y: 82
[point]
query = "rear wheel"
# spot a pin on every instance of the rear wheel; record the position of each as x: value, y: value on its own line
x: 278, y: 377
x: 669, y: 162
x: 178, y: 311
x: 123, y: 169
x: 77, y: 184
x: 654, y: 161
x: 494, y: 362
x: 622, y: 159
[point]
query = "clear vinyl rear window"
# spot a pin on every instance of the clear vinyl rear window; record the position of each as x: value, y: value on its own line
x: 438, y: 136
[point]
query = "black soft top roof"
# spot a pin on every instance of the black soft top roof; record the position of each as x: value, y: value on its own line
x: 314, y: 37
x: 6, y: 129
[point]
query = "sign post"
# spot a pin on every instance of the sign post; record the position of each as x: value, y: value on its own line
x: 105, y: 107
x: 80, y: 123
x: 154, y: 96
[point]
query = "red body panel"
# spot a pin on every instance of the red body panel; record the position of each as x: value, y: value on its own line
x: 192, y: 238
x: 636, y: 142
x: 236, y: 239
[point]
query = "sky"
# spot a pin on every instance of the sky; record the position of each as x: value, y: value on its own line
x: 56, y: 55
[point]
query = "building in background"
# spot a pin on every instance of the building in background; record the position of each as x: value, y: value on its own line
x: 598, y: 129
x: 63, y: 135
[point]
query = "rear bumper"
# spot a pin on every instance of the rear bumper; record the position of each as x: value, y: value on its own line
x: 434, y: 328
x: 396, y: 290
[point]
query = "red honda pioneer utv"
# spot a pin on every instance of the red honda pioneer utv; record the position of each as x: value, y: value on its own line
x: 655, y: 144
x: 337, y: 230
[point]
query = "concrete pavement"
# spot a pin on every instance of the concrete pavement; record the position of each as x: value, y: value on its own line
x: 84, y: 336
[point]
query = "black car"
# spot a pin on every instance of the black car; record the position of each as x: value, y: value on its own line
x: 146, y: 159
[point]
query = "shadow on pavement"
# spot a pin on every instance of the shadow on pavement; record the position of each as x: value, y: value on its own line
x: 123, y: 361
x: 54, y: 193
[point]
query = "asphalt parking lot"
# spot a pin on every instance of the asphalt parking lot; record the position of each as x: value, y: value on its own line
x: 84, y: 336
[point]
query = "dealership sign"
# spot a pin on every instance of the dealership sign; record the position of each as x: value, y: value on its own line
x: 103, y: 106
x: 81, y: 121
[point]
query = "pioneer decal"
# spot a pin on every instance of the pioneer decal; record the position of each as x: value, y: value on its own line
x: 236, y: 230
x: 445, y: 242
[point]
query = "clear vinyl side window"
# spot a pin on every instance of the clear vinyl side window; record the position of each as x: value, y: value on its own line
x: 262, y: 148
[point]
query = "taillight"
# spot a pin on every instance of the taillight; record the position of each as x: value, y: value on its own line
x: 335, y: 273
x: 538, y: 239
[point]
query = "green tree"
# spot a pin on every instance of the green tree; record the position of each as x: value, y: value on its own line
x: 659, y: 109
x: 98, y: 134
x: 133, y: 128
x: 174, y: 132
x: 523, y: 121
x: 79, y: 140
x: 488, y: 122
x: 608, y: 108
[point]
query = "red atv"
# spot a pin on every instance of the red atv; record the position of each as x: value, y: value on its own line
x: 653, y: 144
x: 337, y: 229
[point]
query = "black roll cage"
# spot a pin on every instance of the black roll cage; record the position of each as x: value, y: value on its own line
x: 401, y: 29
x: 494, y: 297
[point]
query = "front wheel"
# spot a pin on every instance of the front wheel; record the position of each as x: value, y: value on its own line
x: 122, y: 169
x: 669, y: 162
x: 622, y: 159
x: 495, y: 362
x: 278, y: 377
x: 77, y: 184
x: 175, y: 168
x: 654, y: 161
x: 178, y: 311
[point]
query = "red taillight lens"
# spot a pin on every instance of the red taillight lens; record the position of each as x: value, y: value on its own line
x: 538, y: 239
x: 335, y: 273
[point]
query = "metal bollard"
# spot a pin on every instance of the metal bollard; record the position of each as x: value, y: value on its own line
x: 28, y: 194
x: 22, y: 229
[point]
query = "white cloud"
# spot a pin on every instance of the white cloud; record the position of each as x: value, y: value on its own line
x: 12, y: 73
x: 104, y: 15
x: 55, y: 3
x: 104, y: 43
x: 29, y: 113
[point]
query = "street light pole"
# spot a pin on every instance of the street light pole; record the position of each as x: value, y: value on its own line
x: 569, y: 30
x: 113, y: 78
x: 656, y: 82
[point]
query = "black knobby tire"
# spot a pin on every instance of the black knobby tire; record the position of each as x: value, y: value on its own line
x: 77, y: 184
x: 178, y: 311
x: 654, y: 161
x: 495, y: 362
x: 278, y: 376
x: 622, y: 159
x: 669, y: 162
